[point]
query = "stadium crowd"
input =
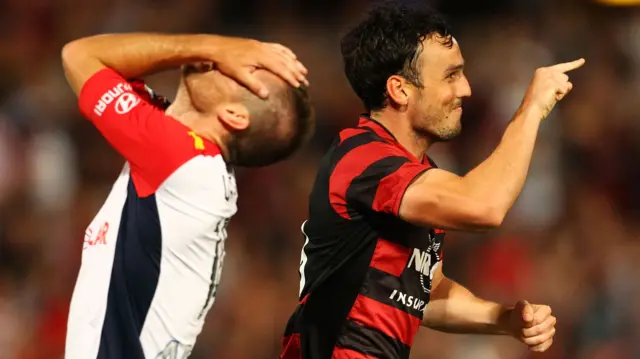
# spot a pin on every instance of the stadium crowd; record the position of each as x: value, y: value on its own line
x: 572, y: 241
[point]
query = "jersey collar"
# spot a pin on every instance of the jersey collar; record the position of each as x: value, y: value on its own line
x: 377, y: 128
x: 367, y: 122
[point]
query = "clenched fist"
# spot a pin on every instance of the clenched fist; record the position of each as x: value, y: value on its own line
x: 533, y: 325
x: 549, y: 85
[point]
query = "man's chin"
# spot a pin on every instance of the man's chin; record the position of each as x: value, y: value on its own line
x: 448, y: 134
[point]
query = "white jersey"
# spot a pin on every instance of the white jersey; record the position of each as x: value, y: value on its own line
x: 153, y: 255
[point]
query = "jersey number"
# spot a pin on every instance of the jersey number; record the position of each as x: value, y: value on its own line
x: 216, y: 271
x: 175, y: 350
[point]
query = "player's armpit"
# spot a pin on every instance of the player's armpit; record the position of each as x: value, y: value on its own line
x: 441, y: 199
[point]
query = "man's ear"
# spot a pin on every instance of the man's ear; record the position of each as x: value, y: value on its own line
x: 397, y: 90
x: 233, y: 115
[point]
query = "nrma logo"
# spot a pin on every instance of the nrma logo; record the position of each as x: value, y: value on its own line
x: 422, y: 262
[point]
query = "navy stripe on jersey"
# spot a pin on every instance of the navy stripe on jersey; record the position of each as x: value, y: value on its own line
x: 134, y: 277
x: 371, y: 342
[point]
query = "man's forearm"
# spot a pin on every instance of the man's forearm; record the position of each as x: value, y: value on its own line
x: 132, y: 55
x: 454, y: 309
x: 500, y: 178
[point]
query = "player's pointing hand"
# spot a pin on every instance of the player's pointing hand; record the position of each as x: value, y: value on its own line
x: 549, y: 85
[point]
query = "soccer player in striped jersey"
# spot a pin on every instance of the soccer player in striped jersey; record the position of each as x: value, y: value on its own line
x: 371, y: 267
x: 153, y: 254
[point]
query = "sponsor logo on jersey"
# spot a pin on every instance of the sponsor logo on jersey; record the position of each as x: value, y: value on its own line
x: 124, y: 97
x: 99, y: 239
x: 408, y: 301
x: 422, y: 263
x: 126, y: 102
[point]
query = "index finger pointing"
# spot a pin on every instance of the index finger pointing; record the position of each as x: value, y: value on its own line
x: 568, y: 66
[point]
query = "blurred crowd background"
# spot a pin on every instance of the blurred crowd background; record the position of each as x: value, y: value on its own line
x: 572, y: 241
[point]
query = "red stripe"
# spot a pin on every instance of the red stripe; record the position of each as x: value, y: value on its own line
x: 377, y: 128
x: 349, y: 167
x: 304, y: 299
x: 390, y: 257
x: 350, y: 132
x: 385, y: 318
x: 392, y: 187
x: 344, y: 353
x: 291, y: 347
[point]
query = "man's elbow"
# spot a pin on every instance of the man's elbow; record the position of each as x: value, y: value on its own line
x: 79, y: 63
x: 71, y: 51
x: 491, y: 218
x: 477, y: 217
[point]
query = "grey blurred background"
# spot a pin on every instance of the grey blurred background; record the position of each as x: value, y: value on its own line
x: 572, y: 241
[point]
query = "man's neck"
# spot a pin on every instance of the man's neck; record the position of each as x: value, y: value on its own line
x: 400, y: 127
x: 195, y: 121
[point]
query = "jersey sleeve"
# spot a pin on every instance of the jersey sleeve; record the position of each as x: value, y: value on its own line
x: 372, y: 177
x: 125, y: 113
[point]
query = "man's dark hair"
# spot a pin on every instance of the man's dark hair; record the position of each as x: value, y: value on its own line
x: 278, y: 127
x: 386, y: 43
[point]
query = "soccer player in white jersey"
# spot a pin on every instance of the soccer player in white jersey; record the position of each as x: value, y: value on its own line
x: 153, y: 254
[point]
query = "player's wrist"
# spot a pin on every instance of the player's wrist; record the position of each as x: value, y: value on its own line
x: 530, y: 113
x: 214, y: 48
x: 503, y: 319
x: 196, y: 47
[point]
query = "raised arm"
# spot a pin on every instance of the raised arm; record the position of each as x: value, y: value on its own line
x: 138, y: 54
x: 481, y: 199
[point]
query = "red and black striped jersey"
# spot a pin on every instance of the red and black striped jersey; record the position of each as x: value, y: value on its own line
x: 365, y: 274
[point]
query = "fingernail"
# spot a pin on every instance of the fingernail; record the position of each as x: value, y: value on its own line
x: 263, y: 93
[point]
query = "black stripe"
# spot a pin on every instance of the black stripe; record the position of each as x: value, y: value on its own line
x: 371, y: 342
x: 342, y: 149
x: 376, y: 123
x: 431, y: 162
x: 385, y: 288
x: 292, y: 326
x: 134, y: 278
x: 364, y: 187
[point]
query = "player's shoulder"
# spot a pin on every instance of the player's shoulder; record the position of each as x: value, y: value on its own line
x: 205, y: 182
x: 363, y: 144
